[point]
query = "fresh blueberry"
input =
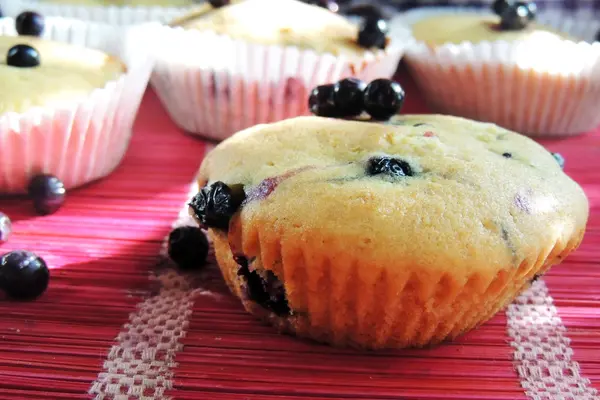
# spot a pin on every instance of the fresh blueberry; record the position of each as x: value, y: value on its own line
x: 499, y: 6
x: 5, y: 227
x: 47, y: 192
x: 373, y: 33
x: 383, y: 98
x: 348, y: 97
x: 388, y: 166
x: 22, y: 56
x: 559, y: 159
x: 218, y: 3
x: 188, y: 247
x: 328, y: 4
x: 23, y: 275
x: 320, y: 101
x: 507, y: 155
x: 214, y: 205
x: 368, y: 11
x: 30, y: 23
x: 597, y: 38
x: 263, y: 288
x: 515, y: 17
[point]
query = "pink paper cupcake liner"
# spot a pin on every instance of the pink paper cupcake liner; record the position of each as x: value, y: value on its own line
x: 217, y: 85
x: 110, y: 14
x: 86, y: 140
x: 537, y: 90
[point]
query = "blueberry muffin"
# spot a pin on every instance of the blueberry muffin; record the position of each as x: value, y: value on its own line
x: 526, y: 72
x: 298, y: 24
x: 384, y: 235
x: 66, y: 109
x: 265, y: 56
x: 44, y: 73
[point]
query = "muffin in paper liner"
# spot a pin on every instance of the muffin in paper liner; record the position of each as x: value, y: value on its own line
x: 213, y: 85
x: 85, y: 140
x: 374, y: 263
x: 535, y: 89
x: 108, y: 14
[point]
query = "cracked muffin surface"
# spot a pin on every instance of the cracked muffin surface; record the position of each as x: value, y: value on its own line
x: 390, y: 234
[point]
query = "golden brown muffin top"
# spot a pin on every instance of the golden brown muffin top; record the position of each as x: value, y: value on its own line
x: 477, y: 198
x: 458, y: 28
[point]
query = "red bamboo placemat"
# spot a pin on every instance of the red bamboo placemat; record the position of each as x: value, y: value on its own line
x: 115, y: 324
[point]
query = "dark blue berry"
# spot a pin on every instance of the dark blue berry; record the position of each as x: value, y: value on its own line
x: 373, y: 33
x: 348, y: 97
x: 559, y: 159
x: 263, y: 288
x: 218, y: 3
x: 29, y: 23
x: 368, y: 11
x: 597, y: 38
x: 388, y: 166
x: 5, y: 227
x: 23, y: 275
x: 499, y: 6
x: 188, y: 247
x: 22, y: 56
x: 507, y: 155
x: 214, y: 205
x: 47, y: 192
x: 383, y: 99
x: 515, y: 17
x: 321, y: 103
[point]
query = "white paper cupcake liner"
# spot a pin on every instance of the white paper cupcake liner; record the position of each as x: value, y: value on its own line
x: 114, y: 15
x: 551, y: 90
x: 214, y: 86
x: 86, y: 140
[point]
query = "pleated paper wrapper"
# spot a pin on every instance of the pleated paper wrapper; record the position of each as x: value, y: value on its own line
x: 538, y: 88
x: 213, y: 85
x: 109, y: 14
x: 85, y: 140
x: 347, y: 305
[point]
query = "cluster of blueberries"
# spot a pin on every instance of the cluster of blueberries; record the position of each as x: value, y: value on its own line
x: 23, y: 274
x: 350, y: 97
x: 27, y: 23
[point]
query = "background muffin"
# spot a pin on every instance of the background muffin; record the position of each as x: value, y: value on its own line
x: 530, y: 74
x: 116, y: 12
x: 220, y: 70
x: 385, y: 235
x: 65, y: 109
